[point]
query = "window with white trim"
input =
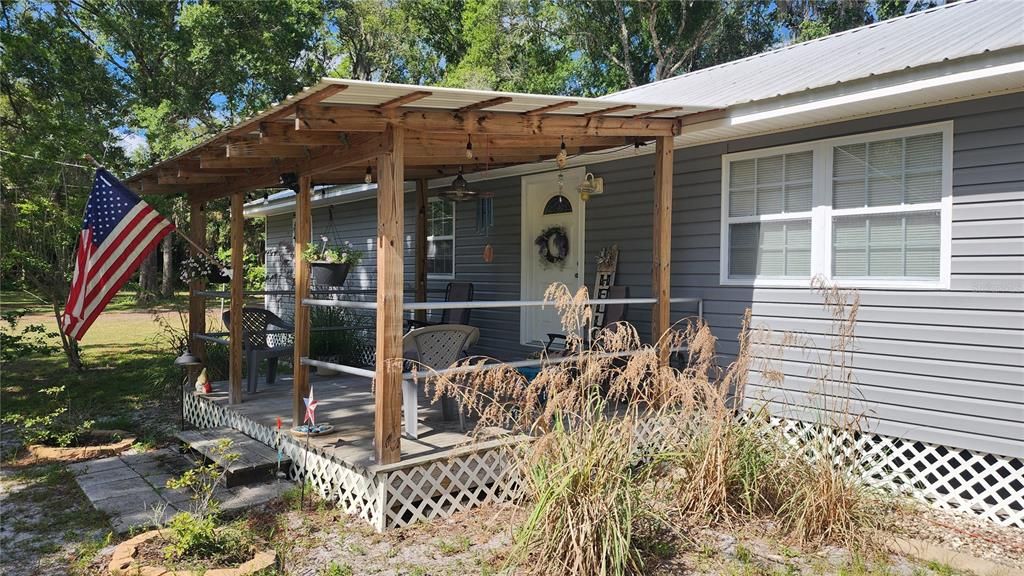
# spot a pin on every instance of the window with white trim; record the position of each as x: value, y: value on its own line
x: 869, y: 210
x: 441, y: 238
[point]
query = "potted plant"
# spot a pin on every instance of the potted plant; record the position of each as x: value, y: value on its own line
x: 329, y: 265
x: 201, y: 267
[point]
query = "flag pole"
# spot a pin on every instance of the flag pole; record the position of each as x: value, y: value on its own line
x: 179, y: 232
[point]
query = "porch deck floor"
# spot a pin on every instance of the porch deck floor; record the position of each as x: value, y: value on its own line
x: 347, y: 403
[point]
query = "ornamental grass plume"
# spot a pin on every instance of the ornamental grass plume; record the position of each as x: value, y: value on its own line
x: 625, y: 449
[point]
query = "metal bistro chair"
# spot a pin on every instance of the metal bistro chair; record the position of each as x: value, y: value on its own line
x: 258, y: 344
x: 455, y: 292
x: 435, y: 347
x: 613, y: 313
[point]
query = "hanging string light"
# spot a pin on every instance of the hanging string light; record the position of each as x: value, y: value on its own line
x: 563, y: 155
x: 369, y: 175
x: 469, y: 147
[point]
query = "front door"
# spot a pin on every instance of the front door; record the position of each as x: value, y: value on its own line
x: 553, y: 215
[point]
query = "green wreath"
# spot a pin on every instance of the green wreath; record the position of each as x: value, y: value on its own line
x: 553, y: 245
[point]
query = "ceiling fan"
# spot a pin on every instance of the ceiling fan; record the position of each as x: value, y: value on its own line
x: 459, y: 190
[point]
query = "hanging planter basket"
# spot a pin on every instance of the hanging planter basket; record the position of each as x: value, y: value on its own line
x: 329, y: 273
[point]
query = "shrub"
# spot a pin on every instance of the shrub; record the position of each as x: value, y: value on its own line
x: 30, y: 340
x: 627, y: 448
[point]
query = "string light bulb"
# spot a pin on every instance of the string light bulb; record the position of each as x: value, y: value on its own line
x: 563, y: 155
x: 469, y: 148
x: 369, y: 176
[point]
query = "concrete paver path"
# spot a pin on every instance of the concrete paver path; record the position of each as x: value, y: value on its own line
x: 132, y: 488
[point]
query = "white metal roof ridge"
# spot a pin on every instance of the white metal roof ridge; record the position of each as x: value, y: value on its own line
x: 939, y: 34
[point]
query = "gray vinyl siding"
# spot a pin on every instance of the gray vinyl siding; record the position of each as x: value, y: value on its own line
x: 941, y: 366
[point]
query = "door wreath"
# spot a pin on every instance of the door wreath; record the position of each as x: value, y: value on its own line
x: 553, y: 245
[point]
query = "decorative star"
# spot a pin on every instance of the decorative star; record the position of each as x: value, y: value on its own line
x: 310, y: 409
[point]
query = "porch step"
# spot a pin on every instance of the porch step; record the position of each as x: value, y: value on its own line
x: 255, y: 461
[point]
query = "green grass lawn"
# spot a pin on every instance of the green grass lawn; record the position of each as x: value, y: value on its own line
x: 128, y: 367
x: 123, y: 302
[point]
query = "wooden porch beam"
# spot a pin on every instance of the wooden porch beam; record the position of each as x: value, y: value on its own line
x: 661, y: 269
x: 551, y: 108
x: 196, y: 303
x: 420, y: 244
x: 361, y: 148
x: 390, y: 233
x: 285, y: 135
x: 405, y: 99
x: 237, y: 298
x: 176, y: 178
x: 303, y: 231
x: 258, y: 150
x: 327, y: 118
x: 325, y: 93
x: 210, y: 162
x: 656, y: 112
x: 485, y: 104
x: 608, y: 111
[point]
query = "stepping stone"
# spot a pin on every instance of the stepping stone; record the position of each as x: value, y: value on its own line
x: 255, y: 461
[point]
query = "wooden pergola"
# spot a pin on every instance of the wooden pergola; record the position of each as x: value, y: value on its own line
x: 338, y: 130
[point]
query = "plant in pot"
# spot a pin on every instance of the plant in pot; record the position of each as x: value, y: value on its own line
x: 330, y: 265
x: 202, y: 267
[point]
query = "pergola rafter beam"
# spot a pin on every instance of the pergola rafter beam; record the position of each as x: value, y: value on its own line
x: 327, y: 118
x: 404, y: 99
x: 551, y: 108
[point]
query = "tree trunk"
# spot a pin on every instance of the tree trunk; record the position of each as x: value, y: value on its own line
x: 69, y: 344
x: 148, y: 282
x: 167, y: 247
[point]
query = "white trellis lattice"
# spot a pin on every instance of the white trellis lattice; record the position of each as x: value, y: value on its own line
x: 389, y: 497
x: 986, y: 485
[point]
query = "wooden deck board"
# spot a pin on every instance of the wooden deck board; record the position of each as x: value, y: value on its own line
x: 347, y: 403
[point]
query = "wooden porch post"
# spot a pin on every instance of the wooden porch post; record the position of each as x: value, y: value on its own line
x: 196, y: 303
x: 237, y: 298
x: 421, y: 246
x: 390, y: 226
x: 662, y: 256
x: 303, y: 225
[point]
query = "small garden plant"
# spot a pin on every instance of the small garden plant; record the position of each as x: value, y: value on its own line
x: 196, y: 536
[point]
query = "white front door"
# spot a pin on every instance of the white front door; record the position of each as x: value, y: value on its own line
x: 540, y: 191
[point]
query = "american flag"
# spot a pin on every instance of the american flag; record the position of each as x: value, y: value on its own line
x: 118, y: 232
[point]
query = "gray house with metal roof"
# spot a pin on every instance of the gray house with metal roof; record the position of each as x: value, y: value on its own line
x: 889, y: 159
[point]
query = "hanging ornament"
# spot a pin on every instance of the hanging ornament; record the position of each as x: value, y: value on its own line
x: 469, y: 148
x: 488, y: 254
x: 563, y: 155
x: 369, y: 176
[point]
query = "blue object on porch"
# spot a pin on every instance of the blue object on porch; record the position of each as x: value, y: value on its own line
x: 530, y: 372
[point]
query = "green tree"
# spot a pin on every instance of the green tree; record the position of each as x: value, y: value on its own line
x: 57, y: 102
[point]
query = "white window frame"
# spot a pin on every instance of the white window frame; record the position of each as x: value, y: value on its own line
x: 431, y: 238
x: 822, y: 213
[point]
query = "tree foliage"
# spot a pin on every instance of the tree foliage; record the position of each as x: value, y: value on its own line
x: 136, y: 81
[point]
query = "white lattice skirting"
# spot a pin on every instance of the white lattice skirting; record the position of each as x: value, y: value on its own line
x: 986, y: 485
x: 387, y: 496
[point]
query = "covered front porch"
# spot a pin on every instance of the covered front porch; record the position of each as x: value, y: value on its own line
x: 350, y: 132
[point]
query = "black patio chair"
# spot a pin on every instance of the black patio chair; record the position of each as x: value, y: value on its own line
x: 259, y: 344
x: 455, y: 292
x: 613, y: 313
